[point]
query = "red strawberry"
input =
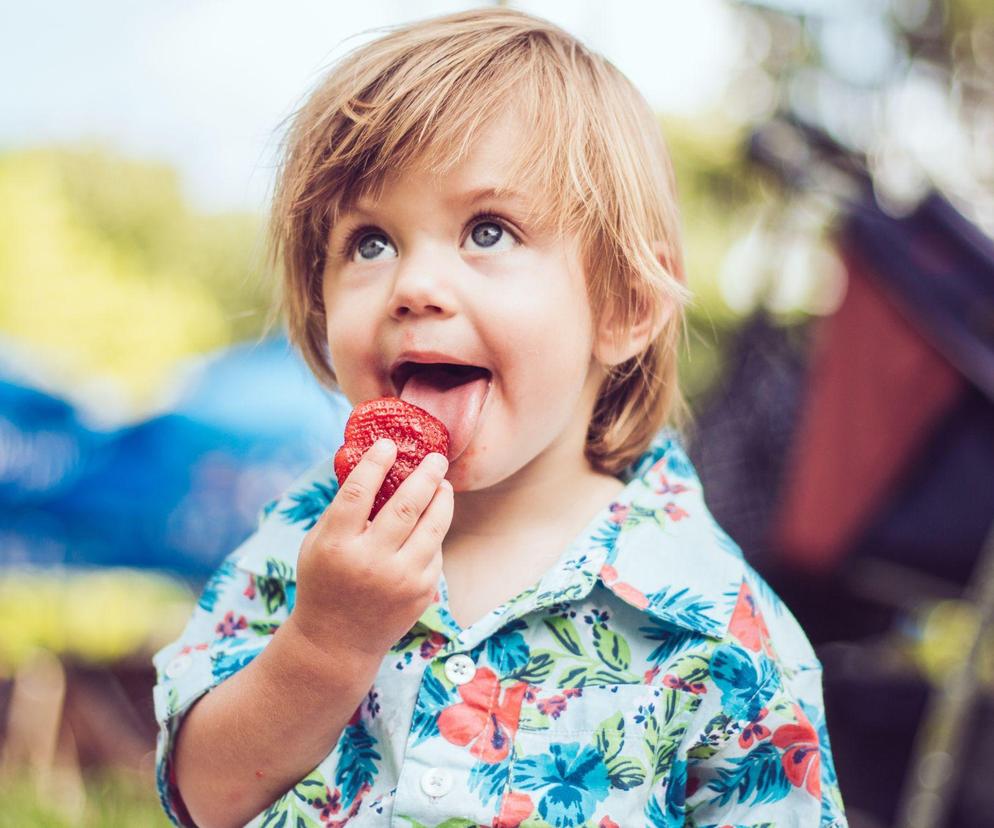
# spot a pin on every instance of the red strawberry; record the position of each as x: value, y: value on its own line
x: 415, y: 431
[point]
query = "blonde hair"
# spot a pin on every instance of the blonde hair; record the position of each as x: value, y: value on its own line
x: 418, y: 96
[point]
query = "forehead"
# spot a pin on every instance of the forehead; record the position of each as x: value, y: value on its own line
x: 491, y: 164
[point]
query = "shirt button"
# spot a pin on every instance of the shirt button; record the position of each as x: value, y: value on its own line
x: 460, y: 669
x: 178, y: 666
x: 436, y: 782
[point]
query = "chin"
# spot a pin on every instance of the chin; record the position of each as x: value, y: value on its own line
x: 473, y: 470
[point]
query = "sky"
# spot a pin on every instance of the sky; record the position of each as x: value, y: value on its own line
x: 205, y: 85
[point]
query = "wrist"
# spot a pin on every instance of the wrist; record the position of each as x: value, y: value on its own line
x: 333, y: 656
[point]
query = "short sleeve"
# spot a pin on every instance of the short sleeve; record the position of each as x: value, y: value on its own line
x: 772, y: 765
x: 234, y: 619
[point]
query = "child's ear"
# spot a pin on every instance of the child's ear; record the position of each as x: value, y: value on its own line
x: 616, y: 343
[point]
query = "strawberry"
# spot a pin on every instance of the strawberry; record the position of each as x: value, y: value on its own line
x: 415, y: 431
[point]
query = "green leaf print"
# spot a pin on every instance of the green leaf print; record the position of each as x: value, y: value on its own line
x: 537, y: 669
x: 263, y: 627
x: 275, y: 816
x: 625, y: 772
x: 610, y: 737
x: 612, y: 648
x: 272, y: 591
x: 662, y: 741
x: 577, y: 677
x: 284, y: 813
x: 716, y: 732
x: 566, y: 634
x: 592, y: 674
x: 692, y: 669
x: 310, y: 788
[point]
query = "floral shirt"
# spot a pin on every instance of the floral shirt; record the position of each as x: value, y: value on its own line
x: 649, y: 678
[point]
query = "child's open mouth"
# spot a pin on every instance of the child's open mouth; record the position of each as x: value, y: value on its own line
x: 455, y: 394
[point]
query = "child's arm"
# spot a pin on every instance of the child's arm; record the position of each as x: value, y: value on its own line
x: 360, y: 586
x: 259, y: 732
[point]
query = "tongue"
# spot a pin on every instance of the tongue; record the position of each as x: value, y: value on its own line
x: 456, y: 400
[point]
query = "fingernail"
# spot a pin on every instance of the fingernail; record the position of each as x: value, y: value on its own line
x: 382, y: 448
x: 436, y: 462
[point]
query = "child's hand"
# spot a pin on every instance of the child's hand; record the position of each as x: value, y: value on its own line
x: 362, y: 584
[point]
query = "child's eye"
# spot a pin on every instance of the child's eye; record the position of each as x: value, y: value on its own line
x: 489, y: 233
x: 367, y: 246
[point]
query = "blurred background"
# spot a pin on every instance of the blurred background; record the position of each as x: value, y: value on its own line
x: 835, y: 162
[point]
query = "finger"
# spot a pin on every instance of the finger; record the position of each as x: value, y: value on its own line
x: 348, y: 514
x: 425, y: 541
x: 401, y: 512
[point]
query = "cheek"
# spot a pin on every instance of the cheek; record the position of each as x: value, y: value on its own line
x: 553, y: 340
x: 349, y: 350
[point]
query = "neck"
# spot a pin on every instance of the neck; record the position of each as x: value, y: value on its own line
x: 539, y: 499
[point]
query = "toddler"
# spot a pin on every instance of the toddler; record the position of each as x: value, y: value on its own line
x: 546, y: 627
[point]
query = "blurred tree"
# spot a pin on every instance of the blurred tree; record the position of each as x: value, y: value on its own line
x: 719, y: 198
x: 107, y: 272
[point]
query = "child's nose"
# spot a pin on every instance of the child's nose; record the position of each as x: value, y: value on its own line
x: 418, y: 291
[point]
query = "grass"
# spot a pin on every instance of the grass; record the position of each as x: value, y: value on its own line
x: 113, y: 800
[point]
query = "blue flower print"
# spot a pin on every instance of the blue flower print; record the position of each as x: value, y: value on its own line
x: 576, y: 780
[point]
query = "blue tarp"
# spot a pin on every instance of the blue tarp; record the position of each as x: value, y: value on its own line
x: 174, y: 492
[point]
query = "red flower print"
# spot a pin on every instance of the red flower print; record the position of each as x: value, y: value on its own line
x: 754, y: 731
x: 630, y: 593
x: 675, y: 512
x: 249, y: 591
x: 229, y: 625
x: 474, y: 720
x: 609, y: 575
x: 747, y: 625
x: 693, y: 783
x: 607, y: 822
x: 332, y: 805
x: 357, y: 802
x: 514, y: 810
x: 675, y: 682
x: 650, y: 675
x: 801, y: 757
x: 431, y: 645
x: 618, y: 513
x: 665, y: 487
x: 552, y: 706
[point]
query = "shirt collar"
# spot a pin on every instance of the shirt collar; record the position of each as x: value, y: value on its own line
x: 657, y: 547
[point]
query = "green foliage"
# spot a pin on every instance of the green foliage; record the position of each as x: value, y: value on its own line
x: 719, y: 195
x: 99, y: 616
x: 113, y: 800
x: 106, y: 270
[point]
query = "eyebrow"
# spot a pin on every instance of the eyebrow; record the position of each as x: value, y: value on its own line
x: 466, y: 199
x: 486, y: 194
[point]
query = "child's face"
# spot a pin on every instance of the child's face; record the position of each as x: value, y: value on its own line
x: 427, y: 274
